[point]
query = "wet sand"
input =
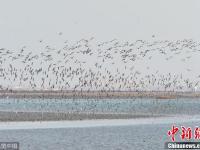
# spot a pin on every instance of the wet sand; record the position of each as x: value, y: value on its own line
x: 55, y: 116
x: 97, y: 94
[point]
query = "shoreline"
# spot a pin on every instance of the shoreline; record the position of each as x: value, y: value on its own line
x: 97, y: 94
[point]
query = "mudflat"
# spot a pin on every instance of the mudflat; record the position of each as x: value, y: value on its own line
x: 97, y: 94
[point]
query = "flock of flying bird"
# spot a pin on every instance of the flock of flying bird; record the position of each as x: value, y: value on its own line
x: 113, y: 65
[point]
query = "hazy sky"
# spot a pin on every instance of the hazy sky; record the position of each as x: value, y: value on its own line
x: 27, y: 21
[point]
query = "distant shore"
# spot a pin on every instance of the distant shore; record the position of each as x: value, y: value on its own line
x: 97, y: 94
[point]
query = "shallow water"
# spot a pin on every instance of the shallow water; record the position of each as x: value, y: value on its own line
x: 136, y: 137
x: 134, y: 106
